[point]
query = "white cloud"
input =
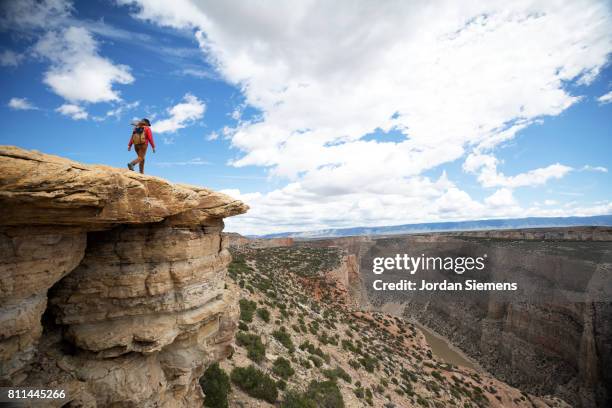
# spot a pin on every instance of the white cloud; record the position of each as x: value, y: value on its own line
x: 9, y: 58
x: 486, y: 166
x: 212, y: 136
x: 21, y: 104
x: 599, y: 169
x: 606, y: 98
x: 501, y: 198
x: 75, y: 112
x: 181, y: 115
x: 451, y: 77
x: 78, y: 72
x: 118, y: 111
x: 199, y: 73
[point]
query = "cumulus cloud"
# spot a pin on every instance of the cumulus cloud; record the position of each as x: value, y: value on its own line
x: 21, y: 104
x: 501, y: 198
x: 181, y: 115
x: 488, y: 176
x: 451, y: 78
x: 606, y: 98
x: 77, y: 72
x: 73, y: 111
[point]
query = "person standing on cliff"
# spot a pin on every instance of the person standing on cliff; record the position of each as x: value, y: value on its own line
x: 141, y: 137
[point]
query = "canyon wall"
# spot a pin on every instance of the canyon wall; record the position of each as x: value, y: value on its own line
x: 552, y: 336
x: 555, y: 337
x: 112, y: 283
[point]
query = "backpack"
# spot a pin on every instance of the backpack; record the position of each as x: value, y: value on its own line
x: 139, y: 136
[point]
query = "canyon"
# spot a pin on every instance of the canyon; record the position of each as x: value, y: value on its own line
x: 112, y: 283
x: 552, y: 336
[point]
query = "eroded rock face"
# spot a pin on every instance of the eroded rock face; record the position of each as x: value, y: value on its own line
x: 552, y: 336
x: 129, y: 271
x: 31, y: 261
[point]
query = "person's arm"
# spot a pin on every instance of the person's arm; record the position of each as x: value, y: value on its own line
x: 130, y: 142
x: 150, y: 137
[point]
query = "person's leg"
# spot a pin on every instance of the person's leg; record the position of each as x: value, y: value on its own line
x: 142, y: 151
x: 137, y: 159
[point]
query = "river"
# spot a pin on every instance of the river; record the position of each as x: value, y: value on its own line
x: 443, y: 350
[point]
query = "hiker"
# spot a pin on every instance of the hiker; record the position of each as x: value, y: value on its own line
x: 141, y: 137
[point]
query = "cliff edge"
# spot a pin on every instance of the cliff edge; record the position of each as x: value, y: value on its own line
x: 112, y: 282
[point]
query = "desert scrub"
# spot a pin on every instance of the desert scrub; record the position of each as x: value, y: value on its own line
x: 247, y: 308
x: 326, y: 394
x: 284, y: 338
x: 255, y: 383
x: 282, y: 368
x: 252, y: 343
x: 369, y: 363
x: 336, y: 373
x: 296, y: 399
x: 264, y: 314
x: 216, y: 385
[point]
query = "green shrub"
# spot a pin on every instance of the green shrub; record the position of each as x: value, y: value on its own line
x: 284, y: 338
x: 326, y: 393
x: 216, y: 385
x: 247, y: 308
x: 336, y: 373
x: 282, y: 368
x: 243, y: 326
x: 316, y: 360
x: 255, y: 383
x: 252, y: 342
x: 369, y: 363
x: 295, y: 399
x: 264, y: 315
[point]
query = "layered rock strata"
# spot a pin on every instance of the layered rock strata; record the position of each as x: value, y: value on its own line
x: 112, y: 283
x: 551, y: 336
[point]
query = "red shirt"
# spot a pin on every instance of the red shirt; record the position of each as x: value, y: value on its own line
x: 148, y: 137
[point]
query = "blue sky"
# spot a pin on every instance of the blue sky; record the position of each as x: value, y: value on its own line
x: 318, y: 117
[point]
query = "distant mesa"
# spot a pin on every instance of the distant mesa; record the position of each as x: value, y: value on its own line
x: 476, y: 225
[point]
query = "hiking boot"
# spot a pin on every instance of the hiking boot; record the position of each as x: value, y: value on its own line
x: 131, y: 166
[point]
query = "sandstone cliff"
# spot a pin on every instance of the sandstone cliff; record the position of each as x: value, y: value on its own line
x: 112, y: 283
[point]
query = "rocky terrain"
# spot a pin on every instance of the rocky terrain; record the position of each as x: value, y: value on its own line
x: 304, y: 341
x: 112, y: 283
x: 553, y: 336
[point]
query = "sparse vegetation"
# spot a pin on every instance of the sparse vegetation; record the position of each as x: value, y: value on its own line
x: 247, y: 308
x: 284, y: 338
x: 252, y: 342
x: 264, y: 314
x: 288, y: 300
x: 216, y: 386
x: 255, y: 383
x: 282, y: 368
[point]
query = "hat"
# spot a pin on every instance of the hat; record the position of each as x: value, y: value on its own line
x: 146, y: 121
